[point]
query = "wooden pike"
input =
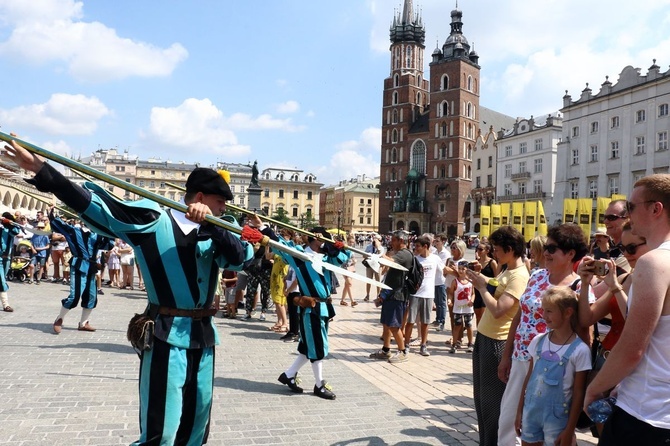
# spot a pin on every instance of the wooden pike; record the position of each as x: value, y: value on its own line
x: 317, y: 264
x: 376, y: 259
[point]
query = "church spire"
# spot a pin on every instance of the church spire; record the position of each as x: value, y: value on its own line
x: 408, y: 27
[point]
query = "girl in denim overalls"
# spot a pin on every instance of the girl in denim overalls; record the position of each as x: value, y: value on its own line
x: 553, y: 393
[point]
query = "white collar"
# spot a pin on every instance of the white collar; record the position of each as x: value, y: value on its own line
x: 186, y: 225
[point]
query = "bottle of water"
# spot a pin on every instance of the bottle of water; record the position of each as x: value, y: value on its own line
x: 600, y: 410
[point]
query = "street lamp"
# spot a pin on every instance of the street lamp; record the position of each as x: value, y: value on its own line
x: 339, y: 218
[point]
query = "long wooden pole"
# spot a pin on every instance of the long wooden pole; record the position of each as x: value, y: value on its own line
x: 381, y: 260
x: 317, y: 264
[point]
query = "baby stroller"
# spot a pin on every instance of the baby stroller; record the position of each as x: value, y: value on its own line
x: 18, y: 269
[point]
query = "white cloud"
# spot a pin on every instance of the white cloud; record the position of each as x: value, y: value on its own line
x: 62, y: 114
x: 288, y: 107
x: 353, y: 158
x: 199, y: 126
x: 60, y: 147
x: 47, y: 31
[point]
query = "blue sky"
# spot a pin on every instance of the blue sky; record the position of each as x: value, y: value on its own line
x: 289, y: 83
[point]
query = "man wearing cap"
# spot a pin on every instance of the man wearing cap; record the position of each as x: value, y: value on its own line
x: 41, y: 245
x: 180, y: 256
x: 8, y: 230
x: 84, y: 246
x: 316, y: 309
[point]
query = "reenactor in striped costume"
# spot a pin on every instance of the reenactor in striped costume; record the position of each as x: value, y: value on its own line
x: 180, y: 256
x: 84, y: 246
x: 8, y: 230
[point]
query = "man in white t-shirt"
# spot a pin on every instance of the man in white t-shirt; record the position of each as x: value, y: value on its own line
x: 640, y: 361
x: 421, y: 302
x: 440, y: 282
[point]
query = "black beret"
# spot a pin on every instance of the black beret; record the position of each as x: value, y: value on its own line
x: 320, y: 230
x: 208, y: 181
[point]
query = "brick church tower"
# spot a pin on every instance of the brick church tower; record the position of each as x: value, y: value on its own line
x: 428, y: 129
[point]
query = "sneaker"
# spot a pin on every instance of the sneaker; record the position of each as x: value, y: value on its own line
x: 30, y: 281
x: 398, y: 358
x: 423, y: 351
x: 101, y: 292
x: 440, y: 327
x: 381, y: 354
x: 452, y: 349
x: 292, y: 383
x: 37, y: 282
x: 246, y: 317
x: 415, y: 342
x: 470, y: 348
x: 8, y: 309
x: 325, y: 391
x: 262, y: 318
x: 58, y: 325
x: 435, y: 323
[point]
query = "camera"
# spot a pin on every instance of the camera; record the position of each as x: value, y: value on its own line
x: 600, y: 268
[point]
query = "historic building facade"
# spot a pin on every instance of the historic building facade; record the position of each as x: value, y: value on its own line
x: 614, y: 137
x: 292, y: 190
x: 351, y: 205
x: 429, y: 130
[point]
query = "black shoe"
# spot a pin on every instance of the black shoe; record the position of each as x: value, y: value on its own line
x: 292, y: 383
x: 288, y: 337
x: 324, y: 391
x: 101, y: 292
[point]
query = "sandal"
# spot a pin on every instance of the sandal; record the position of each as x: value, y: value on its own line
x: 353, y: 304
x: 283, y: 329
x: 274, y: 327
x: 343, y: 303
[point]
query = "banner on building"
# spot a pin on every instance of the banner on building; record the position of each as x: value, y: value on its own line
x: 484, y: 221
x: 585, y: 208
x: 618, y: 197
x: 569, y: 210
x: 495, y: 217
x: 541, y: 220
x: 517, y: 216
x: 505, y: 210
x: 601, y: 207
x: 530, y: 209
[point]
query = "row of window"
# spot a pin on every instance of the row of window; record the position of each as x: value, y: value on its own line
x: 640, y: 116
x: 522, y: 188
x: 523, y: 147
x: 640, y: 148
x: 296, y: 193
x: 294, y: 177
x: 537, y: 167
x: 612, y: 187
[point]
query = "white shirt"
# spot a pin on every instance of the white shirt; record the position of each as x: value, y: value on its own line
x: 430, y: 266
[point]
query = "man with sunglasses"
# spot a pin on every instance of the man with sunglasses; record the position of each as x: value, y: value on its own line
x: 615, y: 218
x: 639, y: 363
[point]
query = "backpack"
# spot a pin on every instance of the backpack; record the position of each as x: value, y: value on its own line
x: 414, y: 276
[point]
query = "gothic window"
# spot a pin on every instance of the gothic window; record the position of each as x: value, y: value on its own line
x: 443, y: 129
x: 445, y: 82
x: 418, y: 98
x: 469, y: 83
x: 394, y: 155
x: 394, y: 136
x: 395, y: 116
x: 418, y: 161
x: 396, y: 80
x: 443, y: 151
x: 395, y: 98
x: 445, y: 108
x: 451, y: 150
x: 469, y: 153
x: 468, y: 109
x: 443, y: 172
x: 408, y: 57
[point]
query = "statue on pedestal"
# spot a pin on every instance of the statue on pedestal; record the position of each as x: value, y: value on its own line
x: 254, y: 175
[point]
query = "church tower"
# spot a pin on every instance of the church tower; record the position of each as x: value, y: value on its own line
x: 428, y: 133
x: 405, y: 102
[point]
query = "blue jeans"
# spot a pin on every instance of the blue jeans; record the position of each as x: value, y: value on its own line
x: 440, y: 303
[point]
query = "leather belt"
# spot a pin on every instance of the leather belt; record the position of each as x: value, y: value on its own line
x: 193, y: 314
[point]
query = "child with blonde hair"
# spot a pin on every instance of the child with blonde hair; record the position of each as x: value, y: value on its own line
x: 553, y: 392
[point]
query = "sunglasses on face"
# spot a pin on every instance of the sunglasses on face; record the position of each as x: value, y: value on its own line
x: 630, y: 248
x: 551, y: 248
x: 613, y: 217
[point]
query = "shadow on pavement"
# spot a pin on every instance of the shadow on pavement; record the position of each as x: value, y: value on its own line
x: 246, y: 385
x: 100, y: 346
